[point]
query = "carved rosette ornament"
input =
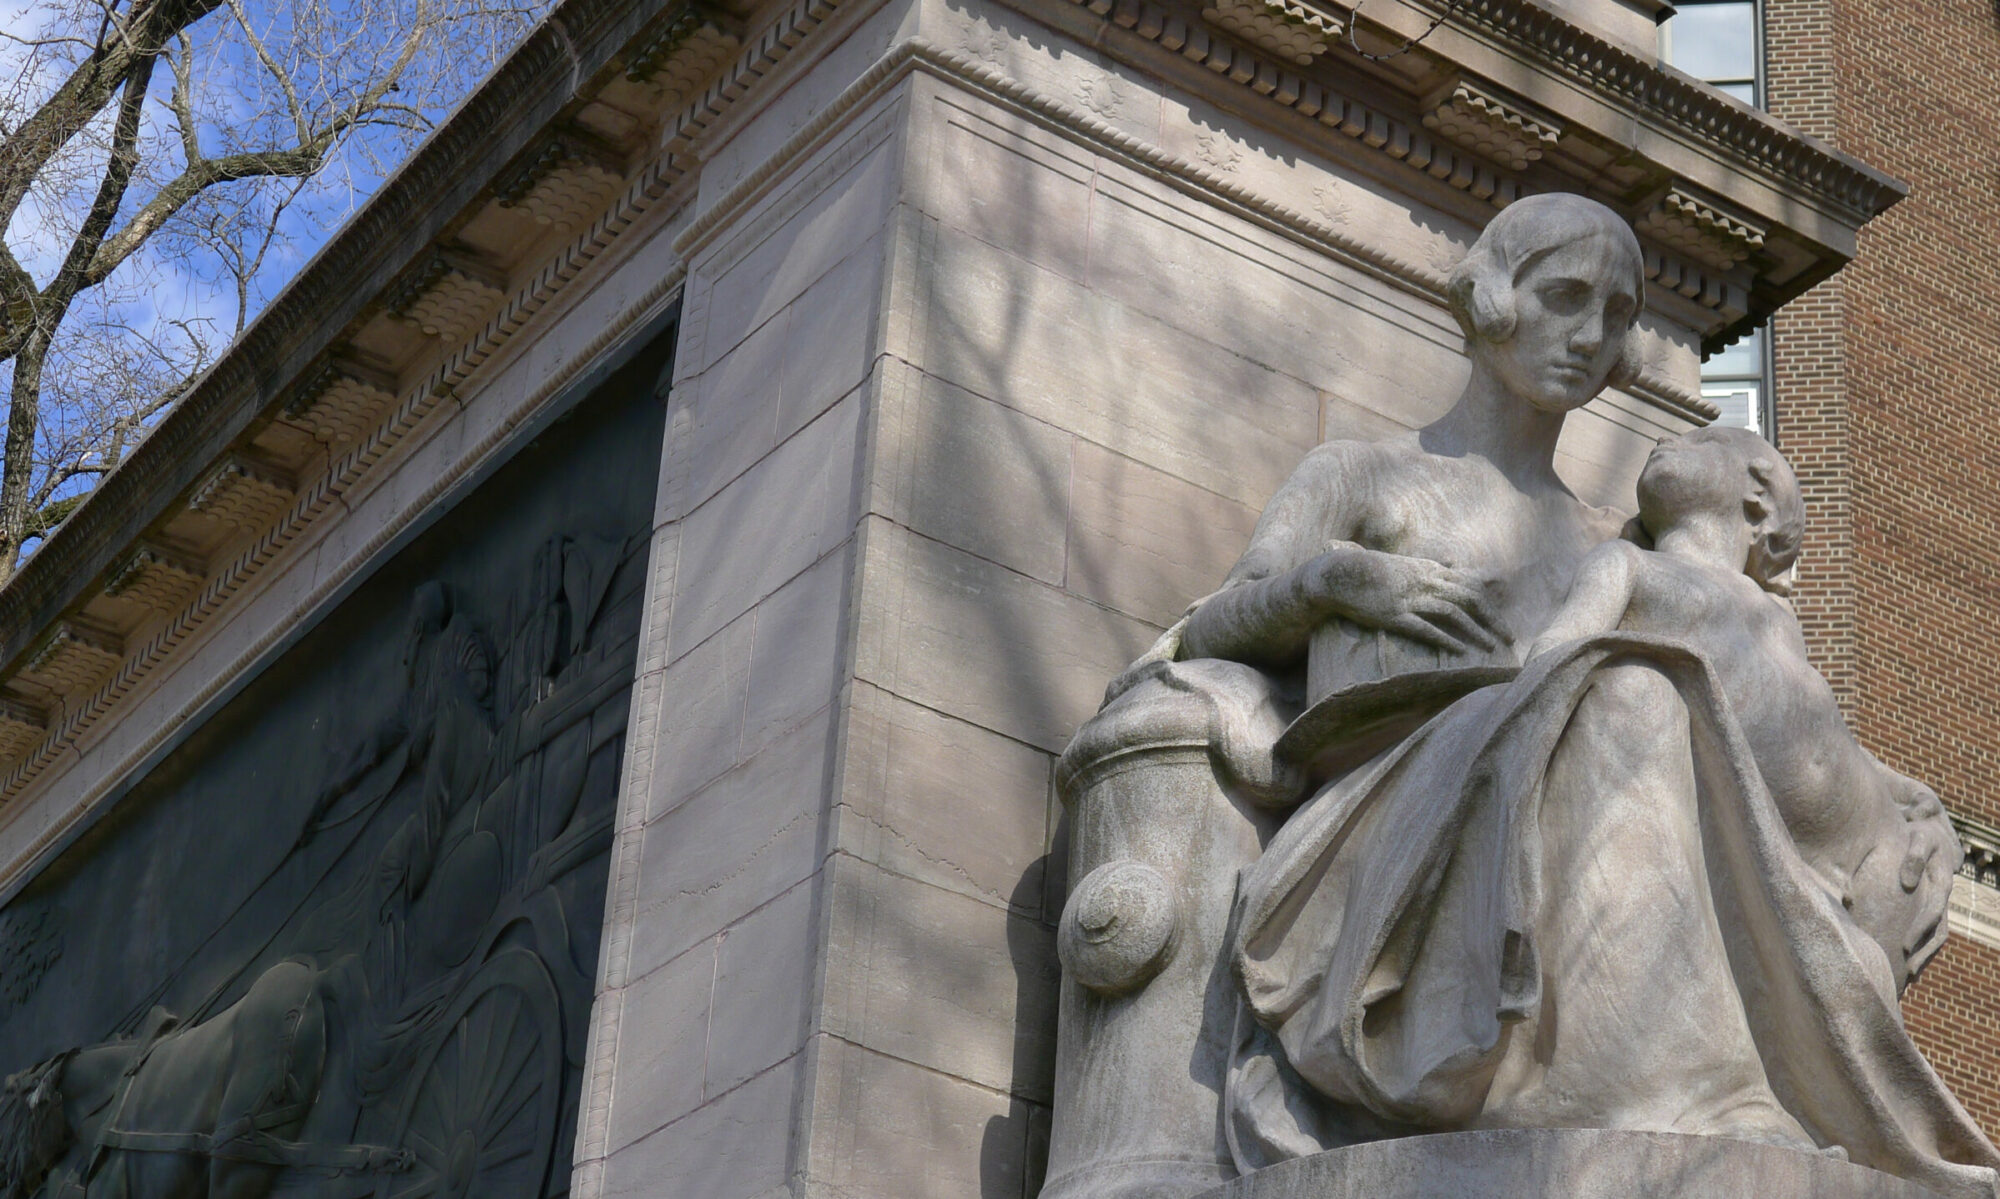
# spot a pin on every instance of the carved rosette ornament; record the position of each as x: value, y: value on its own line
x: 1118, y: 928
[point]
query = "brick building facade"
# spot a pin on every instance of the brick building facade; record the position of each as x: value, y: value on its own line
x: 1886, y: 385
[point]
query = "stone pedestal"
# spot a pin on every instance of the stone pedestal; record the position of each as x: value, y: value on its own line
x: 1574, y: 1163
x: 1162, y: 817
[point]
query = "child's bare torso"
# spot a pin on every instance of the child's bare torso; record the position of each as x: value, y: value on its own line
x: 1833, y: 795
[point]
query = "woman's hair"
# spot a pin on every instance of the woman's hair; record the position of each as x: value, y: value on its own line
x: 1481, y: 286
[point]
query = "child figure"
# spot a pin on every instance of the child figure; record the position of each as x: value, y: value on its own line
x: 1724, y: 513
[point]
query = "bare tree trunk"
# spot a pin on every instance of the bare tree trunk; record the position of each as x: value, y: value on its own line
x: 17, y: 466
x: 88, y: 378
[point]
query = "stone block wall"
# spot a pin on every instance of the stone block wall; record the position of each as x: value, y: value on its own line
x: 971, y: 402
x: 1888, y: 399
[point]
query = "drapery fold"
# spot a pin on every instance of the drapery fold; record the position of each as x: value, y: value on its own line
x: 1397, y: 927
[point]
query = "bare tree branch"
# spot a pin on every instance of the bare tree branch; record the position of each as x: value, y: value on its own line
x: 107, y: 219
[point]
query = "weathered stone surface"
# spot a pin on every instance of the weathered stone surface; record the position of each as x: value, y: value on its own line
x: 769, y: 270
x: 748, y: 836
x: 950, y: 461
x: 699, y: 734
x: 911, y: 1132
x: 939, y: 979
x: 796, y: 650
x: 1576, y: 1163
x: 830, y: 338
x: 764, y: 968
x: 1143, y: 541
x: 793, y: 506
x: 736, y: 1146
x: 949, y: 803
x: 667, y: 1013
x: 999, y: 177
x: 1026, y: 337
x: 983, y: 643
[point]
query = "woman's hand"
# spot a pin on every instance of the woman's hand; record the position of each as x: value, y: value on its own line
x: 1425, y: 601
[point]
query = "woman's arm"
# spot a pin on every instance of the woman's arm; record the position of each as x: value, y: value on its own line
x: 1300, y: 572
x: 1598, y: 597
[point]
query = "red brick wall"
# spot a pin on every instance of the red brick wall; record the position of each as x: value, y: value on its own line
x: 1887, y: 389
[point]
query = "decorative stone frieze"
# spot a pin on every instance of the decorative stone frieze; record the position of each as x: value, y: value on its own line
x: 1975, y: 898
x: 691, y: 45
x: 1698, y: 281
x: 1701, y: 230
x: 565, y: 182
x: 1475, y: 117
x: 1291, y: 31
x: 1981, y: 843
x: 1542, y: 37
x: 1372, y: 127
x: 243, y: 492
x: 155, y: 576
x: 22, y: 727
x: 76, y: 657
x: 448, y: 294
x: 340, y: 400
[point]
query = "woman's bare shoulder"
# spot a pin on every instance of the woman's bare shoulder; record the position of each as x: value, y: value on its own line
x: 1343, y: 456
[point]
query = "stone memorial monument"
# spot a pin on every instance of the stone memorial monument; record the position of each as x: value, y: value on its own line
x: 574, y: 704
x: 1473, y: 840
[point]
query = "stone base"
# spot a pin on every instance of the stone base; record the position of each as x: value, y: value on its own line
x: 1580, y: 1163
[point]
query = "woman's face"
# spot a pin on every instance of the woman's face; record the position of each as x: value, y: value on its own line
x: 1573, y: 307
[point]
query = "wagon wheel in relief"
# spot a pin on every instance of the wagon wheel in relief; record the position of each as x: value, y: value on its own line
x: 481, y: 1119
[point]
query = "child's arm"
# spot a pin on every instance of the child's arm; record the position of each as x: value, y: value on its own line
x: 1598, y: 596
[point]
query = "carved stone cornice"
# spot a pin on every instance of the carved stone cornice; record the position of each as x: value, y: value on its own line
x: 22, y: 728
x: 339, y: 399
x: 1476, y: 116
x: 447, y: 292
x: 1702, y: 229
x: 561, y: 58
x: 1981, y: 842
x: 1693, y: 108
x: 243, y: 492
x: 1399, y: 139
x: 689, y: 46
x: 1289, y: 30
x: 565, y: 180
x: 74, y: 656
x: 156, y: 576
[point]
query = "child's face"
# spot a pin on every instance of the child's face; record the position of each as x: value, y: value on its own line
x: 1694, y: 473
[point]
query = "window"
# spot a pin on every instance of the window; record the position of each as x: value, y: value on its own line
x: 1722, y: 43
x: 1717, y: 42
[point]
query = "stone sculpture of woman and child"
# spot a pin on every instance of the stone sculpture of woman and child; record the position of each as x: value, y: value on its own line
x: 1466, y: 808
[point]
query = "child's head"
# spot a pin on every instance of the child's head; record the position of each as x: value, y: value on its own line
x: 1735, y: 474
